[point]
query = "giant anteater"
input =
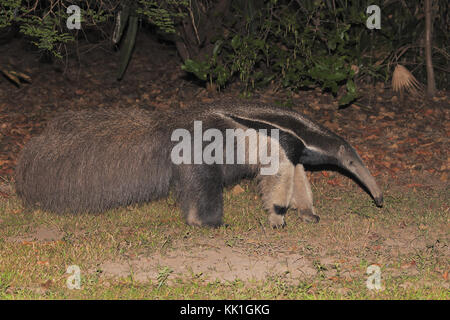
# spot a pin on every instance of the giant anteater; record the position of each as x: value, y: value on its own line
x: 94, y: 160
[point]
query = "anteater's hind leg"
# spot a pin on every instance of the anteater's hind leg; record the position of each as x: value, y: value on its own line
x: 199, y: 193
x: 302, y: 198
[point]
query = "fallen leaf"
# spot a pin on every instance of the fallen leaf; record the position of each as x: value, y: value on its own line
x: 413, y: 185
x: 4, y: 195
x: 425, y: 153
x: 334, y: 279
x: 334, y: 182
x: 47, y: 284
x: 411, y: 140
x: 237, y: 189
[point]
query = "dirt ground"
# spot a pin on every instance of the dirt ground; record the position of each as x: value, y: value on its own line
x: 404, y: 143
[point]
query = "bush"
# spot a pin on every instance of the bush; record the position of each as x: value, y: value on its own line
x: 292, y: 44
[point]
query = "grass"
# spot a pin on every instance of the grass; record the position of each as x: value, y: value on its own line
x: 407, y: 238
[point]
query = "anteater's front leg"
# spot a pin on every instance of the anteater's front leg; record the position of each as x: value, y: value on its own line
x: 199, y: 193
x: 302, y: 198
x: 276, y: 193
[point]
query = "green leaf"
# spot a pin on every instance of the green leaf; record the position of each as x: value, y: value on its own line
x: 351, y: 87
x: 236, y: 41
x: 347, y: 98
x: 200, y: 69
x: 217, y: 47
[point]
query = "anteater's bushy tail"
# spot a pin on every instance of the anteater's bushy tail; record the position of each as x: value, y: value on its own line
x: 91, y: 161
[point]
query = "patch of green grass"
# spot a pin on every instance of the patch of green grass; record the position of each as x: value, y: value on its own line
x: 408, y: 238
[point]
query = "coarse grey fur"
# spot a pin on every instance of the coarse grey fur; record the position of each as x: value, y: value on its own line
x: 94, y: 160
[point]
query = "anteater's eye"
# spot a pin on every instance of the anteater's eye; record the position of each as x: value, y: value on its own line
x: 351, y: 162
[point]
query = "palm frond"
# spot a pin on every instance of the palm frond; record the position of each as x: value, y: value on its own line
x: 403, y: 80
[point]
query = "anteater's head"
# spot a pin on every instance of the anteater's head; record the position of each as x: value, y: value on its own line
x: 324, y: 147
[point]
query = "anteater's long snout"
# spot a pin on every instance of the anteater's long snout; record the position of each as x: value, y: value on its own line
x: 364, y: 176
